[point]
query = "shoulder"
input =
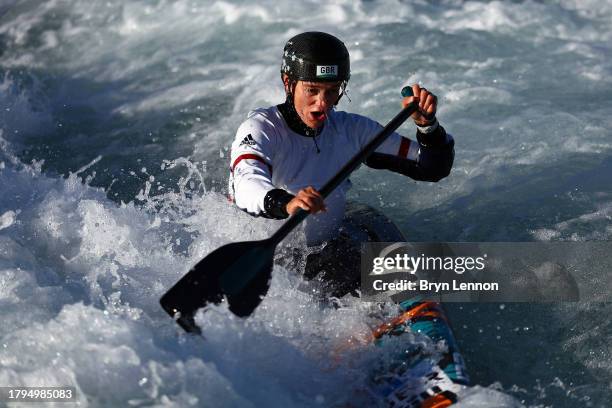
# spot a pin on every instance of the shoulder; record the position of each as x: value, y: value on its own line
x: 260, y: 131
x: 356, y: 125
x: 263, y: 125
x: 353, y: 119
x: 264, y: 118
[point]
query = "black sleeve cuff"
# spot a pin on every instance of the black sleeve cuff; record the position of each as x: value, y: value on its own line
x: 436, y: 139
x: 275, y: 203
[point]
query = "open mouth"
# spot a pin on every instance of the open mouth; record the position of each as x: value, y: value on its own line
x: 318, y: 115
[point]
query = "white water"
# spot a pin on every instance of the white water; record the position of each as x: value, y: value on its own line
x: 110, y: 103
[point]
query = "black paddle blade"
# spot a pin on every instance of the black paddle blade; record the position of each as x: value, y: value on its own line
x: 241, y: 271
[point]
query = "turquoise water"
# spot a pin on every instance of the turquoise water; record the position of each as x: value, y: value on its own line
x: 115, y: 124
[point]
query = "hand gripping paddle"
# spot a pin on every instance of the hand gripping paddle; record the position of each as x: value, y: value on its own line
x: 241, y: 271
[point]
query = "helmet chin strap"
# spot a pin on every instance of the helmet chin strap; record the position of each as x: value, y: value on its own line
x: 343, y: 92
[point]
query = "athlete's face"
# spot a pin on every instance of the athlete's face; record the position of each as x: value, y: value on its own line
x: 314, y: 100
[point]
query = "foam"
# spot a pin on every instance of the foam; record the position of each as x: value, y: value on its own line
x: 163, y: 87
x: 81, y: 299
x: 598, y: 221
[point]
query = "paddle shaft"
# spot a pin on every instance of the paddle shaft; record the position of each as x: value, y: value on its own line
x: 348, y: 168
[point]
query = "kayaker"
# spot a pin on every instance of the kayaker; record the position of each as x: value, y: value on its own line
x: 283, y: 154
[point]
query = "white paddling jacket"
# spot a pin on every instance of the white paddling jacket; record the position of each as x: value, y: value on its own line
x: 270, y: 163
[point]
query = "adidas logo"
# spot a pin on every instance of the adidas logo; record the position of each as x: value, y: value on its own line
x: 248, y: 141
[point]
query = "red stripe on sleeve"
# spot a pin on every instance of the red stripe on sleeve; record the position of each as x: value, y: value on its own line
x: 404, y: 148
x: 251, y: 157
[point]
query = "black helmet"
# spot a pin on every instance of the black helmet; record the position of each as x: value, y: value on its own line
x: 317, y: 57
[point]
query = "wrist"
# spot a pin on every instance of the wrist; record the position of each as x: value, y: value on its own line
x: 434, y: 139
x: 275, y: 203
x: 429, y: 126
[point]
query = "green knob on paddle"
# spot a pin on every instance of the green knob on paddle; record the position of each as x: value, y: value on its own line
x: 407, y: 91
